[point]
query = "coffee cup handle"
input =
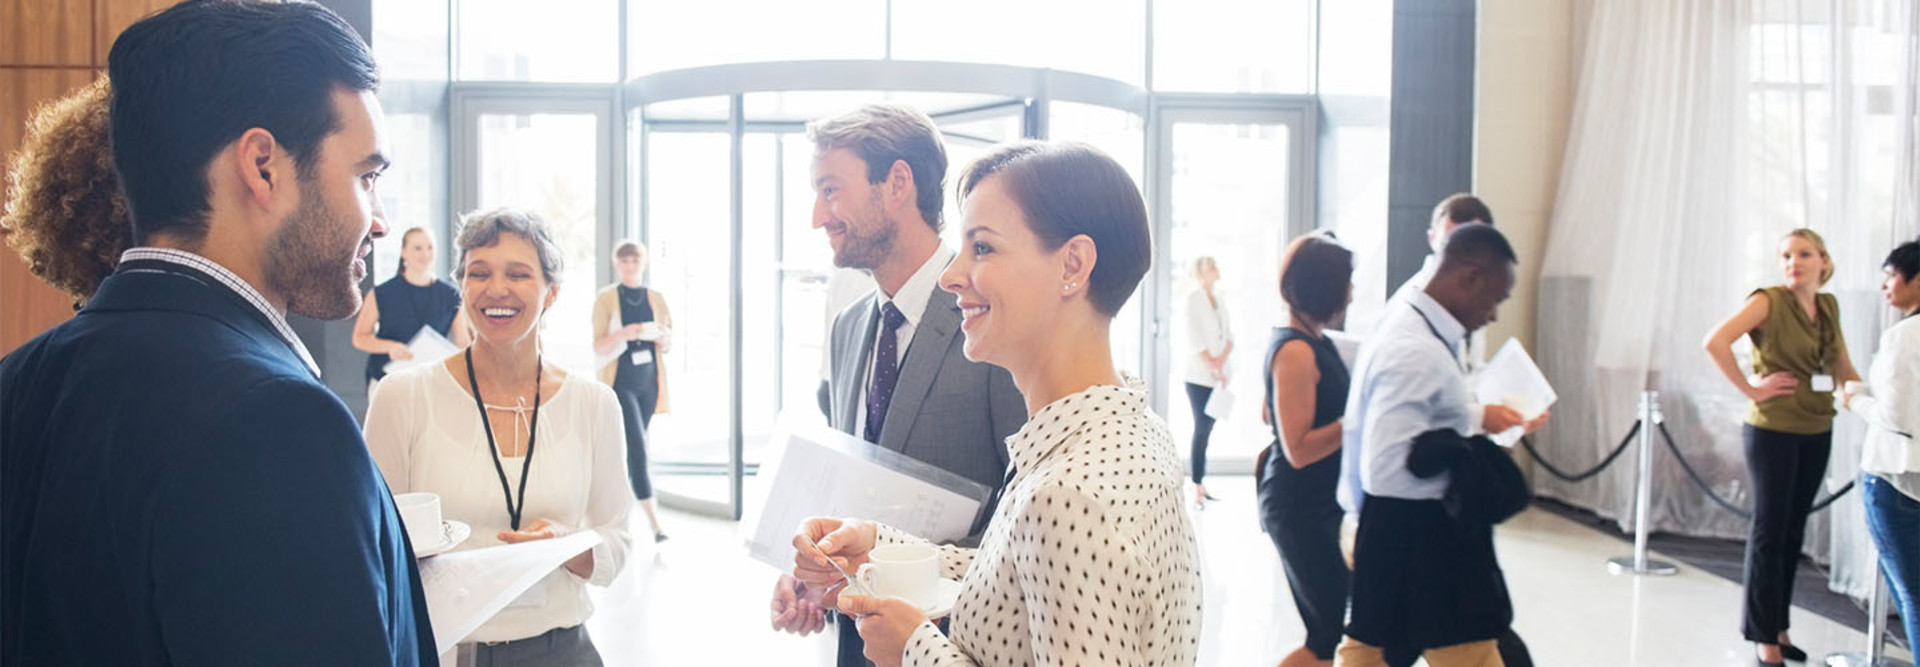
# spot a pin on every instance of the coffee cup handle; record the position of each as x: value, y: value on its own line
x: 864, y: 576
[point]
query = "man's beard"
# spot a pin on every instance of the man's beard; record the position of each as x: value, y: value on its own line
x: 867, y: 252
x: 310, y: 261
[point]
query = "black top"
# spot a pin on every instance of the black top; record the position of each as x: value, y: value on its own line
x: 405, y: 308
x: 636, y: 307
x: 1316, y: 483
x: 177, y: 488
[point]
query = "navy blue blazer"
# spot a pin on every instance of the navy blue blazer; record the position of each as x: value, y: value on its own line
x: 176, y: 487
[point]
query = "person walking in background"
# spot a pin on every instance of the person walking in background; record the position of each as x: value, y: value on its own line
x: 415, y: 300
x: 1799, y: 357
x: 1890, y: 458
x: 471, y: 428
x: 1211, y: 339
x: 1306, y: 394
x: 632, y: 331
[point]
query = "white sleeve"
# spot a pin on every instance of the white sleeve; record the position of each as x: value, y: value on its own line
x: 390, y: 430
x: 1892, y: 403
x: 610, y: 493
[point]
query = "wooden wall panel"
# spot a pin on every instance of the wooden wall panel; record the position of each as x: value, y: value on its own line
x: 114, y: 16
x: 27, y: 305
x: 47, y: 48
x: 46, y: 32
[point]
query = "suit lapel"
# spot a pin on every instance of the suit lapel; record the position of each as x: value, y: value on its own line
x: 924, y: 356
x: 851, y: 369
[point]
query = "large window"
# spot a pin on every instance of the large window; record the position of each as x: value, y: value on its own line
x: 550, y: 40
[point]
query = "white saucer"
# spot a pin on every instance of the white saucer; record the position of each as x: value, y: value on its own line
x: 452, y: 533
x: 946, y: 593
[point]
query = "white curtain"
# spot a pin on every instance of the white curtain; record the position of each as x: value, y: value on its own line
x: 1702, y: 131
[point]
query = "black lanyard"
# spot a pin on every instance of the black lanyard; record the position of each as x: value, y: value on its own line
x: 1452, y: 351
x: 533, y: 429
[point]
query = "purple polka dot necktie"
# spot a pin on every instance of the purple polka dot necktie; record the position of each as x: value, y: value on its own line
x: 886, y: 370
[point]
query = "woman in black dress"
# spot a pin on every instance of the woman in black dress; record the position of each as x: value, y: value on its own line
x: 396, y: 310
x: 1306, y: 394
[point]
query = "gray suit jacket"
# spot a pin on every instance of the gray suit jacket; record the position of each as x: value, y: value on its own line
x: 947, y: 411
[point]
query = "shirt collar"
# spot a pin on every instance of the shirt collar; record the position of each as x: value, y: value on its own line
x: 1450, y: 329
x: 232, y: 282
x: 1061, y: 419
x: 918, y: 290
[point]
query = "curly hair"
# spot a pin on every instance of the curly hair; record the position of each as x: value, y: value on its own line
x: 66, y: 216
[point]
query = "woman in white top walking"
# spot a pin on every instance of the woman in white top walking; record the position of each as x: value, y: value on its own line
x: 1212, y: 341
x: 1890, y: 457
x: 518, y: 449
x: 1090, y: 558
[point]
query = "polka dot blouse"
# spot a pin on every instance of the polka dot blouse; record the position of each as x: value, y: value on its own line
x: 1090, y: 558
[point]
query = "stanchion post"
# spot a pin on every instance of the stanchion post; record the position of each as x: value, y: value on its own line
x: 1639, y: 563
x: 1876, y: 634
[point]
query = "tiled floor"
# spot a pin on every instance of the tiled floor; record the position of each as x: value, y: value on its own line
x: 698, y: 600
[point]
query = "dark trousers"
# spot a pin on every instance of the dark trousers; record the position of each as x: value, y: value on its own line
x: 1786, y: 469
x: 1308, y: 539
x: 852, y: 649
x: 638, y: 389
x: 1202, y: 428
x: 560, y: 647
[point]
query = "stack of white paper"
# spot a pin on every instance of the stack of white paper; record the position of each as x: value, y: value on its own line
x: 465, y: 588
x: 819, y: 471
x: 1511, y: 379
x: 428, y: 346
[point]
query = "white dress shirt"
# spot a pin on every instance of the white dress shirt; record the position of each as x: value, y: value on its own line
x: 1408, y: 382
x: 1893, y: 409
x: 1090, y: 558
x: 1207, y: 333
x: 232, y: 282
x: 425, y: 434
x: 1475, y: 353
x: 912, y: 300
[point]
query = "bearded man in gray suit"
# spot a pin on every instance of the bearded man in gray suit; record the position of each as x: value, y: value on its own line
x: 898, y: 377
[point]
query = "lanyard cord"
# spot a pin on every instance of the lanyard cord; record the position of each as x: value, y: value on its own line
x: 533, y: 431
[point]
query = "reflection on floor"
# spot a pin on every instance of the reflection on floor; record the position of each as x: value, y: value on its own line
x: 698, y: 600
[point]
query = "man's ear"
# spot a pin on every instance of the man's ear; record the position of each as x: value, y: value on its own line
x: 256, y: 168
x: 900, y: 186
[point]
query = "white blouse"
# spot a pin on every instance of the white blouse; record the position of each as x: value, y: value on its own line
x: 425, y: 434
x: 1207, y: 331
x: 1090, y: 558
x: 1893, y: 408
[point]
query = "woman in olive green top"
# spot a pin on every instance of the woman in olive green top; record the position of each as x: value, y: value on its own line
x: 1799, y: 359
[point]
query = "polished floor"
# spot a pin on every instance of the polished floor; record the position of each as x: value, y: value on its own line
x: 698, y: 600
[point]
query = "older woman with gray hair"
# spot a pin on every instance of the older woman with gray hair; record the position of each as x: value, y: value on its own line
x: 427, y: 427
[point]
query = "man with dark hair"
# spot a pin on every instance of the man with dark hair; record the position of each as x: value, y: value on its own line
x: 1425, y: 577
x: 897, y: 375
x: 179, y: 487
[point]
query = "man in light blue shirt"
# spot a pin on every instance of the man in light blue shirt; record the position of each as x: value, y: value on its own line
x: 1423, y: 579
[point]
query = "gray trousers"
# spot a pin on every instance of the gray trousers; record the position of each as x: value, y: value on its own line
x: 560, y: 647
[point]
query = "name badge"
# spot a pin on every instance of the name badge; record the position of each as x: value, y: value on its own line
x: 1823, y: 383
x: 643, y: 357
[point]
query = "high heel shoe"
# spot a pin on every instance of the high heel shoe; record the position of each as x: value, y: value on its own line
x: 1763, y: 663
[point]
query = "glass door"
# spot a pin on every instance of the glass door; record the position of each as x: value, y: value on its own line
x: 553, y: 157
x: 1234, y: 186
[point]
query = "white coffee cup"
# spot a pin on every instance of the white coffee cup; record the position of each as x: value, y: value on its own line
x: 420, y: 513
x: 907, y: 571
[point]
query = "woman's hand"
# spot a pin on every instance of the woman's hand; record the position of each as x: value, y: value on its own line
x: 1780, y: 383
x: 846, y: 542
x: 632, y: 332
x: 540, y: 529
x: 400, y: 352
x: 885, y: 625
x: 797, y: 608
